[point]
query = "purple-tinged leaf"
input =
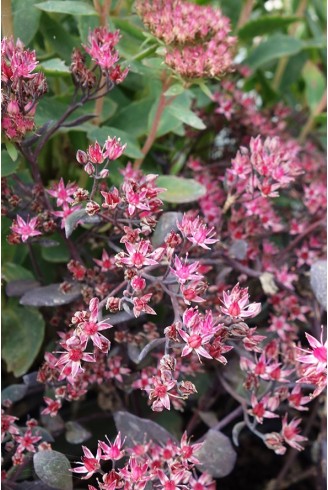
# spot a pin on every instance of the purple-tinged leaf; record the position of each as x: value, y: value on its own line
x: 72, y: 220
x: 53, y: 468
x: 14, y: 393
x: 30, y: 379
x: 16, y: 289
x: 217, y: 456
x: 166, y: 223
x: 318, y: 279
x: 53, y: 424
x: 236, y: 431
x: 50, y: 296
x: 149, y: 347
x: 138, y: 430
x: 75, y: 433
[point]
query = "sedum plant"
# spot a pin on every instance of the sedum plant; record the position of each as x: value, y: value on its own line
x: 163, y: 207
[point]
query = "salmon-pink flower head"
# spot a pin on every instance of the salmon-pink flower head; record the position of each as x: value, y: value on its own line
x: 236, y: 304
x: 113, y: 450
x: 317, y: 357
x: 62, y: 193
x: 90, y: 463
x: 141, y: 305
x: 185, y: 272
x: 197, y: 232
x: 290, y: 432
x: 26, y: 442
x: 113, y: 148
x: 90, y: 328
x: 101, y: 47
x: 197, y: 37
x: 25, y: 229
x: 139, y: 255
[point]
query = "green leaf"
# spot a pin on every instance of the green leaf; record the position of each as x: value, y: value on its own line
x: 185, y: 115
x: 22, y: 337
x: 67, y: 7
x: 167, y: 123
x: 12, y: 151
x: 180, y: 190
x: 133, y: 119
x: 13, y: 272
x: 85, y: 24
x: 175, y: 89
x: 25, y: 14
x: 101, y: 134
x: 56, y: 66
x: 53, y: 468
x: 8, y: 167
x: 265, y: 25
x: 315, y: 84
x: 57, y: 254
x: 58, y: 38
x: 272, y: 49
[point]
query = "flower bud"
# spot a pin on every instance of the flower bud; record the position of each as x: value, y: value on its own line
x: 81, y: 157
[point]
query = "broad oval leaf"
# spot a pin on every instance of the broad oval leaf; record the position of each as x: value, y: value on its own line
x: 53, y: 468
x: 272, y: 49
x: 265, y: 25
x: 166, y: 223
x: 75, y: 433
x: 16, y: 289
x: 25, y: 14
x: 315, y: 84
x: 137, y: 430
x: 238, y: 249
x: 217, y: 456
x: 186, y: 116
x: 55, y: 66
x: 50, y: 296
x: 8, y: 167
x: 15, y: 272
x: 22, y: 337
x: 14, y: 393
x: 67, y: 7
x: 318, y: 279
x: 180, y: 190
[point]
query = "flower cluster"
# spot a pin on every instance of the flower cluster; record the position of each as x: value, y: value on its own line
x: 101, y: 47
x: 198, y: 44
x: 170, y: 465
x: 21, y: 88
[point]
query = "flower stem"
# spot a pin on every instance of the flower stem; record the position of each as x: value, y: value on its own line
x: 162, y: 104
x: 309, y: 125
x: 281, y: 67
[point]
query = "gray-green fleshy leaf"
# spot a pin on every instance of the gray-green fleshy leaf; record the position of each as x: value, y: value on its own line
x: 138, y: 430
x: 217, y: 456
x: 166, y: 223
x: 318, y: 279
x: 14, y: 392
x: 53, y: 468
x: 50, y: 296
x: 180, y: 190
x: 22, y: 337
